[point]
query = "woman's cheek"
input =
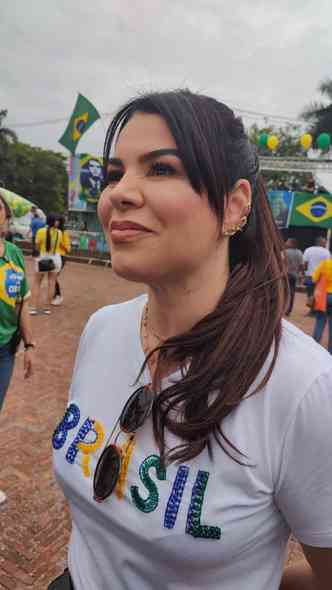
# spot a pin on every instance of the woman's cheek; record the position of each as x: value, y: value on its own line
x: 104, y: 209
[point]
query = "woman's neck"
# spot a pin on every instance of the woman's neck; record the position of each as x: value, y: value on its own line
x: 176, y: 309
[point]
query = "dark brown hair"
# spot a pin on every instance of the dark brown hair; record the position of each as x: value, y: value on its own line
x: 50, y: 222
x: 229, y: 347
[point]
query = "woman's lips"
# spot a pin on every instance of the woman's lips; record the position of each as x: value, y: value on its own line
x: 127, y: 231
x: 126, y: 224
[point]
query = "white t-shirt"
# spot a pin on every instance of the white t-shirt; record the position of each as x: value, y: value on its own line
x: 205, y: 524
x: 313, y: 256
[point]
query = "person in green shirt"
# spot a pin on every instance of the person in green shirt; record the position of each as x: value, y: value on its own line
x: 14, y: 292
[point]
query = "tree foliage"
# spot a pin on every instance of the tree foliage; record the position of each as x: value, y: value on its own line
x: 7, y: 136
x: 289, y: 139
x: 289, y: 146
x: 319, y: 113
x: 37, y: 174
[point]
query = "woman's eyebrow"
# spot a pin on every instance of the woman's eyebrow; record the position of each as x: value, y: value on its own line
x: 117, y: 162
x: 157, y: 153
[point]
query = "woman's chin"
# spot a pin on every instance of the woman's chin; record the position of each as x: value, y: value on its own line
x: 128, y: 272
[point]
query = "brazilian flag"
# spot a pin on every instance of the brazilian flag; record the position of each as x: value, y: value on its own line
x: 84, y: 115
x: 311, y: 210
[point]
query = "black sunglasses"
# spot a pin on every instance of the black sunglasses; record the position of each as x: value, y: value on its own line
x: 137, y: 409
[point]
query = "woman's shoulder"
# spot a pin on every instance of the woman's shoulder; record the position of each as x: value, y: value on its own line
x: 119, y: 315
x: 41, y: 231
x: 300, y: 363
x: 302, y: 371
x: 14, y: 253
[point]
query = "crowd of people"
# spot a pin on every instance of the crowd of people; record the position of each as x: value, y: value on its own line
x: 197, y: 435
x: 313, y: 270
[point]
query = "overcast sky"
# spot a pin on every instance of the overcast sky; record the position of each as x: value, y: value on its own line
x: 260, y: 55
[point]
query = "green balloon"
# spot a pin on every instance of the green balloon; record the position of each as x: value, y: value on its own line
x: 262, y: 140
x: 324, y: 141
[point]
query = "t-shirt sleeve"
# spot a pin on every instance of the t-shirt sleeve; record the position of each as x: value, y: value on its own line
x: 304, y: 491
x: 66, y: 241
x: 19, y: 259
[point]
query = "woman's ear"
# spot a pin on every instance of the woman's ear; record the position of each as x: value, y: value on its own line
x: 237, y: 207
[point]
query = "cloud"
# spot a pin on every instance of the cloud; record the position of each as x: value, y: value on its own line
x: 263, y: 56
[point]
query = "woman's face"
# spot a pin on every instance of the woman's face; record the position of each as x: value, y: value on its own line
x: 3, y: 214
x: 148, y: 185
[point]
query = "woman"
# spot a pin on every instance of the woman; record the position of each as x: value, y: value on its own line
x: 14, y: 294
x: 65, y: 247
x: 198, y: 479
x: 48, y: 243
x: 324, y: 269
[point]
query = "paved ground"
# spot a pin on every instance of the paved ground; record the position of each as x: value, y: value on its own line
x: 34, y: 525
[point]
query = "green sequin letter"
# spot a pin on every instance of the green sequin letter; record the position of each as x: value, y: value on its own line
x: 194, y: 526
x: 151, y: 502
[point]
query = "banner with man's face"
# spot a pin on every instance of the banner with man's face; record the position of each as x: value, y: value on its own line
x: 85, y: 174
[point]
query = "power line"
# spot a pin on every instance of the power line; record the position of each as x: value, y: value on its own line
x: 248, y: 113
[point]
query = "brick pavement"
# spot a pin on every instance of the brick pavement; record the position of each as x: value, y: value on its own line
x: 34, y: 524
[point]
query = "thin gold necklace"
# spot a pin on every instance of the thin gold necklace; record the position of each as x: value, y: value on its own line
x: 153, y: 360
x: 147, y: 327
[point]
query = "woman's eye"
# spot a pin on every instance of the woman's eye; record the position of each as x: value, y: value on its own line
x: 114, y: 176
x: 161, y: 169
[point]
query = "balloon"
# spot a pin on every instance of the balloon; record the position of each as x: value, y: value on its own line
x: 262, y: 140
x: 306, y: 141
x: 272, y: 142
x: 324, y: 141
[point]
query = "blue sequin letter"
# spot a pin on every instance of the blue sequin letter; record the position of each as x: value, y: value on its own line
x: 175, y: 497
x: 86, y: 427
x: 151, y: 502
x: 194, y: 526
x: 69, y: 421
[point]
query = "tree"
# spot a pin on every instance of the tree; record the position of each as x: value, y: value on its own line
x: 37, y: 174
x: 319, y: 113
x: 7, y: 135
x: 289, y: 146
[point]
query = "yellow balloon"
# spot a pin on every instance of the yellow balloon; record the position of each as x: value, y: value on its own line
x: 272, y: 142
x: 306, y: 141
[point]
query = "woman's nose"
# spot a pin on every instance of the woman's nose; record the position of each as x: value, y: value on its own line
x: 126, y: 193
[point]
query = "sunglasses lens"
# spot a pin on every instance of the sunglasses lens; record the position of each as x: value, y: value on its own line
x: 136, y: 410
x: 106, y: 473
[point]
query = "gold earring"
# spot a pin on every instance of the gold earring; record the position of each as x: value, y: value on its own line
x: 243, y: 222
x: 234, y: 229
x: 230, y: 231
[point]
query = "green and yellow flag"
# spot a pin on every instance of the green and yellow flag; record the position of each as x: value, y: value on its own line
x: 312, y: 210
x: 84, y: 115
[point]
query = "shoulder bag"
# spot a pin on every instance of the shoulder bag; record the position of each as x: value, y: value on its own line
x: 47, y: 263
